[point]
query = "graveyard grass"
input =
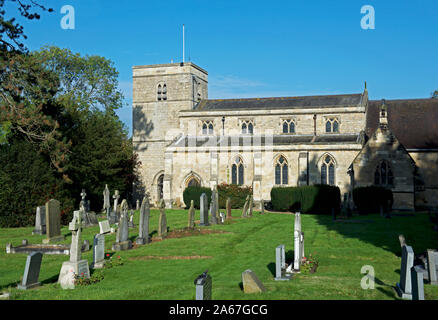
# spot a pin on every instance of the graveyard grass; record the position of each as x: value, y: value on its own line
x: 245, y: 243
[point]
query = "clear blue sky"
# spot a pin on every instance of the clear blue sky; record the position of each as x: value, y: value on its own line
x: 260, y: 48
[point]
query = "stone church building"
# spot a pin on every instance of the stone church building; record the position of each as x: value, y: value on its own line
x: 183, y: 138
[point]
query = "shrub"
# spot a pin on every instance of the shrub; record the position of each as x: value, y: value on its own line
x: 316, y: 199
x: 237, y: 195
x: 369, y: 199
x: 194, y: 193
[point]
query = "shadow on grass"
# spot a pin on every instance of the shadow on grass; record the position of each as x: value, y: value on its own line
x: 241, y: 285
x: 388, y: 290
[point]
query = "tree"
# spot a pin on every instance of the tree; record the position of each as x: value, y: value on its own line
x: 435, y: 94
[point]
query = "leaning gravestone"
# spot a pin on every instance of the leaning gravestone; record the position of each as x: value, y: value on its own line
x: 122, y: 236
x: 31, y: 271
x: 228, y: 205
x: 251, y: 284
x: 280, y: 264
x: 143, y: 234
x: 417, y: 283
x: 191, y: 215
x: 53, y: 222
x: 40, y: 221
x: 404, y: 287
x: 76, y: 265
x: 98, y: 251
x: 104, y: 227
x: 432, y: 257
x: 203, y: 286
x: 204, y: 210
x: 162, y: 223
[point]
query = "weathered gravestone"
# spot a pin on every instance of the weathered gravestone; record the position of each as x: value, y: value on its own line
x: 417, y: 283
x: 251, y: 284
x: 222, y: 217
x: 250, y: 206
x: 104, y: 227
x: 203, y: 285
x: 204, y: 210
x: 31, y: 271
x: 143, y: 233
x: 53, y: 222
x: 40, y: 221
x: 137, y: 205
x: 106, y: 202
x: 432, y: 265
x: 162, y: 223
x: 122, y: 236
x: 191, y: 215
x: 216, y: 203
x: 212, y: 211
x: 280, y: 264
x: 115, y: 213
x: 131, y: 220
x: 76, y: 266
x: 404, y: 287
x: 228, y: 205
x: 98, y: 251
x: 245, y: 207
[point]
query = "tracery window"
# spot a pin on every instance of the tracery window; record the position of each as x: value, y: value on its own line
x: 328, y: 170
x: 247, y: 127
x: 237, y: 171
x: 281, y: 171
x: 383, y: 174
x: 207, y: 127
x: 332, y: 125
x: 288, y: 126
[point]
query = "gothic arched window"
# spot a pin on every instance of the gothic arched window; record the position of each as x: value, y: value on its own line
x: 207, y: 127
x: 288, y: 126
x: 164, y: 92
x: 244, y: 127
x: 332, y: 125
x: 383, y: 174
x: 328, y: 171
x: 247, y: 127
x: 237, y: 171
x: 281, y: 171
x: 192, y: 182
x: 159, y: 92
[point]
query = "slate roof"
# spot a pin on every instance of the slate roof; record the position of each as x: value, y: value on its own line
x: 280, y: 102
x: 217, y: 141
x: 414, y: 122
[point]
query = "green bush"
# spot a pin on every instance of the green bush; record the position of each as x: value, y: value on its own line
x: 369, y: 199
x: 194, y: 193
x: 316, y: 199
x: 237, y: 195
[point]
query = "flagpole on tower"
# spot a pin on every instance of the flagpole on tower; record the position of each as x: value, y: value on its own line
x: 183, y: 45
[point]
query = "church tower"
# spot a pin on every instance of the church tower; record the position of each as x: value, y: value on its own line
x: 159, y: 93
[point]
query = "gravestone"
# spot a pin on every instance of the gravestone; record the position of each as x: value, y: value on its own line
x: 191, y: 215
x: 212, y: 212
x: 122, y: 236
x: 280, y: 264
x: 222, y: 217
x: 91, y: 219
x: 115, y: 213
x: 432, y: 265
x: 251, y: 284
x: 228, y: 205
x: 31, y: 271
x: 402, y: 240
x: 203, y: 285
x: 40, y: 221
x: 204, y: 210
x: 76, y: 265
x: 262, y: 207
x: 137, y: 205
x: 216, y: 202
x: 298, y: 242
x: 404, y: 287
x: 131, y: 220
x: 245, y: 207
x: 53, y: 222
x: 417, y: 283
x: 98, y: 251
x: 104, y: 227
x: 162, y: 223
x: 143, y: 232
x: 106, y: 202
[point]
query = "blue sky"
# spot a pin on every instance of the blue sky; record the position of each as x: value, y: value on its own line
x: 259, y: 48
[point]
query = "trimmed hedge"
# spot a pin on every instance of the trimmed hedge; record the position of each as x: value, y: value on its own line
x: 194, y: 193
x: 237, y: 195
x: 369, y: 199
x: 315, y: 199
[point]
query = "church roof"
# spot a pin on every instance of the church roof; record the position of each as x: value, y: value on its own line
x: 261, y: 140
x: 280, y: 102
x: 414, y: 122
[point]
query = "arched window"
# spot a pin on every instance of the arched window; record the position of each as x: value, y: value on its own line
x: 250, y: 128
x: 244, y: 127
x: 332, y: 125
x: 383, y: 174
x: 159, y: 92
x: 281, y: 172
x: 237, y: 171
x: 204, y: 128
x: 207, y: 127
x: 285, y: 127
x: 210, y: 128
x: 328, y: 171
x: 288, y: 126
x: 192, y: 182
x: 247, y: 127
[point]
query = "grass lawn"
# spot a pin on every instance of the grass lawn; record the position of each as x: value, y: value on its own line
x: 341, y: 247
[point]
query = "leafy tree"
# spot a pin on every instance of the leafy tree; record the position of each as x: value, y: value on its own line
x: 435, y: 94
